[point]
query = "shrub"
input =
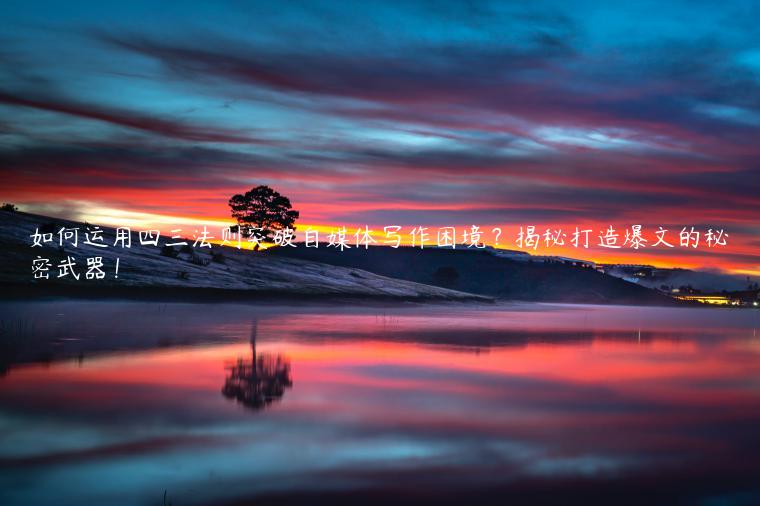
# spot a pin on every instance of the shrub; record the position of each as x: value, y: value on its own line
x: 199, y: 260
x: 218, y: 258
x: 7, y: 206
x: 186, y: 249
x: 169, y: 251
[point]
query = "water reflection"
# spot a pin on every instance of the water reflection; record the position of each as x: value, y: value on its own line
x: 444, y: 405
x: 260, y: 381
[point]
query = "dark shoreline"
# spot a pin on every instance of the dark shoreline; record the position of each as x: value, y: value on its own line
x: 25, y: 292
x: 209, y: 295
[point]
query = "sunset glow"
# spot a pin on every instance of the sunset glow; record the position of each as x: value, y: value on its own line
x: 500, y: 115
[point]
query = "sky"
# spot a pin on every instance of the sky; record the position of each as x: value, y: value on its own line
x: 546, y: 114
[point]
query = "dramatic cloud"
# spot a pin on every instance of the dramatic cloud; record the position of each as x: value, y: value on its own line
x: 127, y: 119
x: 418, y: 113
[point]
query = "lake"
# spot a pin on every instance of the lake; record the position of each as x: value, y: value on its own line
x: 115, y: 402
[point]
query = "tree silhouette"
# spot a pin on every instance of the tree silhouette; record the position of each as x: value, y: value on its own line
x: 258, y: 383
x: 263, y: 208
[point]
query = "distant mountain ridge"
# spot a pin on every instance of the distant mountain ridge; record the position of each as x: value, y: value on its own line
x: 483, y: 272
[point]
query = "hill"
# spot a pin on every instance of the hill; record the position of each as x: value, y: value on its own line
x: 481, y: 272
x: 193, y: 273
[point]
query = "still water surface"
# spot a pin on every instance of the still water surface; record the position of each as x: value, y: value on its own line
x: 118, y: 402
